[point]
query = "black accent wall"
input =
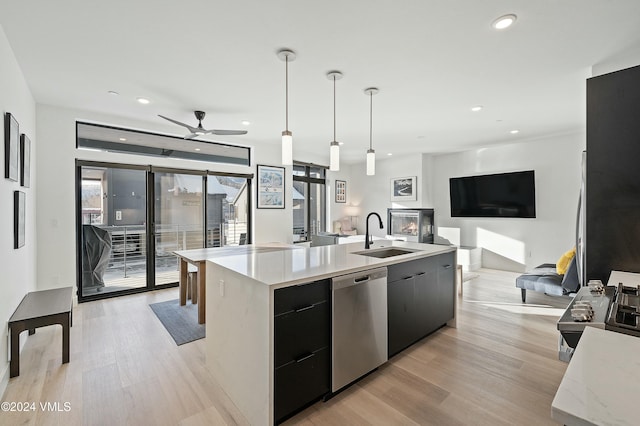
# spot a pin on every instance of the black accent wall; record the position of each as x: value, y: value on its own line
x: 613, y: 173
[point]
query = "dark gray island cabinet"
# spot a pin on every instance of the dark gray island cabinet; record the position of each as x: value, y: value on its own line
x: 269, y: 317
x: 420, y: 297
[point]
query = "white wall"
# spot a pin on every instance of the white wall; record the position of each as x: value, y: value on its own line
x: 17, y: 266
x: 56, y: 189
x: 516, y: 244
x: 373, y: 193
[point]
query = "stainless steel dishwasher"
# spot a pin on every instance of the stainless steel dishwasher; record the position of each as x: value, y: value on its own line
x: 359, y: 325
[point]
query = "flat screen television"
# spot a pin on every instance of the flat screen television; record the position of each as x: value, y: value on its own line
x: 496, y: 195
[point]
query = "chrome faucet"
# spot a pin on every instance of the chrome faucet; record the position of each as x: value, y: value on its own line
x: 367, y: 243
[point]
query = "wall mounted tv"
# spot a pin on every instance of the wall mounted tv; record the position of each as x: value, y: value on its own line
x: 497, y: 195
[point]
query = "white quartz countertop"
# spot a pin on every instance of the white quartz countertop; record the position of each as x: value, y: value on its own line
x: 290, y: 267
x: 602, y: 382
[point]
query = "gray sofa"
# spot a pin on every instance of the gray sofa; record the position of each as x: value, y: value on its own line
x: 545, y: 279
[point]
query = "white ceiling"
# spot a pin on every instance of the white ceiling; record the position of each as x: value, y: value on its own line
x: 432, y: 61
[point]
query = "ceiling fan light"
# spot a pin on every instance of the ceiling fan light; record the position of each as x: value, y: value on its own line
x: 334, y: 156
x: 371, y: 162
x: 287, y: 148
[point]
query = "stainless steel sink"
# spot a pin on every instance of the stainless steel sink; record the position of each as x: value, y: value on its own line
x: 385, y: 252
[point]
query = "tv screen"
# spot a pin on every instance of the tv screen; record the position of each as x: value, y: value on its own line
x: 497, y: 195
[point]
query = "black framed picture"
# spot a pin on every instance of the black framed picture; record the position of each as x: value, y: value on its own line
x: 341, y: 191
x: 11, y: 147
x: 25, y: 161
x: 19, y: 217
x: 270, y: 187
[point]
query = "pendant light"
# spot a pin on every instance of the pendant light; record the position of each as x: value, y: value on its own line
x: 334, y: 148
x: 371, y: 153
x: 287, y: 138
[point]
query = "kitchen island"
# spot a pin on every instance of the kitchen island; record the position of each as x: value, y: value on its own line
x: 261, y: 307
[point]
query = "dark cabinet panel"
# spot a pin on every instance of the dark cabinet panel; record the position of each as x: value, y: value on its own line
x: 301, y: 382
x: 420, y: 299
x: 302, y: 326
x: 446, y: 288
x: 299, y: 332
x: 613, y: 175
x: 300, y: 296
x: 401, y: 314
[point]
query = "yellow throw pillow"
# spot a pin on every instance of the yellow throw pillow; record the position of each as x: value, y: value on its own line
x: 565, y: 259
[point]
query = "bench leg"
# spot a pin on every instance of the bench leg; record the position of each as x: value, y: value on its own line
x: 524, y: 295
x: 183, y: 282
x: 14, y: 365
x: 65, y: 323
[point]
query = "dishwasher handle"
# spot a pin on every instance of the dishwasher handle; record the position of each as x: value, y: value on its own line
x: 358, y: 278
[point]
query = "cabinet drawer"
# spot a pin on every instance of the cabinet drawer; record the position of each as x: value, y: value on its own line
x: 300, y: 383
x: 298, y: 333
x: 300, y: 296
x: 407, y: 269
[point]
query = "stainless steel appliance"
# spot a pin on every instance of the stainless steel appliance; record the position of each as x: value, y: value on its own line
x: 616, y: 308
x: 624, y: 315
x: 359, y: 325
x: 571, y: 329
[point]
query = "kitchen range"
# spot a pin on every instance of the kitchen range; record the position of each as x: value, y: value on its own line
x: 614, y: 307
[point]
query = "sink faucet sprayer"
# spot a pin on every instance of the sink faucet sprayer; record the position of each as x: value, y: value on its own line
x: 367, y: 243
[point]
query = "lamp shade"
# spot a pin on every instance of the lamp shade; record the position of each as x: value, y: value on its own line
x: 287, y: 148
x: 334, y: 156
x: 371, y: 162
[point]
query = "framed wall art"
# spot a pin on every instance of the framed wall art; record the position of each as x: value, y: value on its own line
x: 341, y: 191
x: 19, y: 217
x: 11, y: 147
x: 270, y: 187
x: 25, y: 161
x: 404, y: 188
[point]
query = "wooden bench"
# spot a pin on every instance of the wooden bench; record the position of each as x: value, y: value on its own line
x: 39, y: 309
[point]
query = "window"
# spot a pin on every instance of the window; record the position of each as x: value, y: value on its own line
x: 309, y: 201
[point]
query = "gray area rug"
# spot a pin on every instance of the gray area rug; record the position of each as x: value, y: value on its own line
x: 180, y: 321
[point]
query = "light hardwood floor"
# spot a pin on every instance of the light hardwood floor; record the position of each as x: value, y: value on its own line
x: 499, y: 367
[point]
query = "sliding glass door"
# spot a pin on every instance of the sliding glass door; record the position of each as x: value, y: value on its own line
x: 178, y: 220
x: 113, y: 211
x: 127, y: 212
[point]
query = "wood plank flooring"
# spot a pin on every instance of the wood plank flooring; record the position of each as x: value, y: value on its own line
x: 499, y: 367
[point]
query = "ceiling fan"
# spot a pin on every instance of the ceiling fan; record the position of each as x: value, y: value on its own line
x: 197, y: 131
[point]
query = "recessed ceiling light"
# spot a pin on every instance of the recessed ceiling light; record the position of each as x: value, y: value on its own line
x: 513, y: 132
x: 113, y: 92
x: 504, y: 21
x: 245, y: 122
x: 197, y: 149
x: 389, y: 153
x: 123, y: 139
x: 476, y: 108
x: 143, y: 101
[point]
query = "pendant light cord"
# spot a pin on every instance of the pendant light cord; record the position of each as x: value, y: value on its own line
x: 286, y: 85
x: 334, y: 108
x: 370, y: 120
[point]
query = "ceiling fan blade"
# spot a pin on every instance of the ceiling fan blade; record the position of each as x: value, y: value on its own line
x: 191, y: 129
x: 227, y: 132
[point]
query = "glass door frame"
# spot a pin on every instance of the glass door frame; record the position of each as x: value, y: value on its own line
x: 149, y: 223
